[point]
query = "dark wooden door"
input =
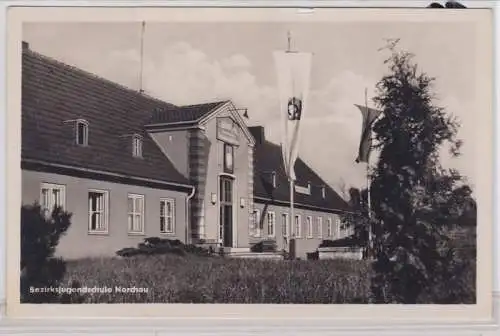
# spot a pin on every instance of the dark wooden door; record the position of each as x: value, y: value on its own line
x: 226, y: 211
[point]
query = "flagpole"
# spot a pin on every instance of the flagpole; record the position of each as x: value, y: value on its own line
x: 292, y: 181
x: 368, y: 196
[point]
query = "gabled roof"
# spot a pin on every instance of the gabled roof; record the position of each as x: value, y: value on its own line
x: 268, y: 159
x: 54, y: 94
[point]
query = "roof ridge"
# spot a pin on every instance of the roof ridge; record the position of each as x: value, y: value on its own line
x: 94, y: 76
x: 216, y: 102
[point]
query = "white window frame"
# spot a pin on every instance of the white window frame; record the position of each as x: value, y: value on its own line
x: 105, y: 212
x: 309, y: 225
x: 271, y: 223
x: 137, y: 145
x: 319, y: 222
x: 330, y: 227
x: 258, y: 231
x: 134, y: 213
x: 297, y: 220
x: 285, y: 218
x: 273, y: 179
x: 85, y: 124
x: 165, y: 201
x: 48, y: 208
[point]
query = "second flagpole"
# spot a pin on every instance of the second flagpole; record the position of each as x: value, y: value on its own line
x: 368, y: 196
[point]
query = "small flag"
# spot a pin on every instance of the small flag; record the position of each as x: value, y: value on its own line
x: 369, y: 116
x: 293, y: 72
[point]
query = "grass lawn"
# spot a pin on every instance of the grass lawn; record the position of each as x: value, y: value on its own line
x: 192, y: 279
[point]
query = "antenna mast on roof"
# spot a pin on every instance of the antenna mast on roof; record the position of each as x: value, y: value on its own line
x: 143, y: 26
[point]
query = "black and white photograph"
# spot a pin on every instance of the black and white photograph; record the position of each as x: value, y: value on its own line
x: 254, y: 161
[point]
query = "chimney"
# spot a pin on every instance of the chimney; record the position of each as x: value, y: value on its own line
x: 258, y: 134
x: 26, y: 46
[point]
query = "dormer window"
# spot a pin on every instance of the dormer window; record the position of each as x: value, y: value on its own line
x: 273, y: 179
x: 137, y: 145
x: 82, y: 132
x: 323, y: 191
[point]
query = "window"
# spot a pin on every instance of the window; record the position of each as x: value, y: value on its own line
x: 98, y: 211
x: 273, y: 179
x: 338, y: 225
x: 135, y: 213
x: 228, y: 158
x: 320, y: 227
x: 297, y: 227
x: 330, y: 227
x: 323, y: 191
x: 167, y: 216
x: 51, y: 196
x: 309, y: 227
x: 82, y: 132
x: 271, y: 224
x: 137, y: 145
x: 258, y: 224
x: 284, y: 224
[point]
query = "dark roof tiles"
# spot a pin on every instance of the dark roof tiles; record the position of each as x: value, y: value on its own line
x: 54, y: 95
x: 268, y: 159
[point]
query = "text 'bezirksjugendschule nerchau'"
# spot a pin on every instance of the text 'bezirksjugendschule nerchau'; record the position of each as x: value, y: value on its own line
x: 89, y: 290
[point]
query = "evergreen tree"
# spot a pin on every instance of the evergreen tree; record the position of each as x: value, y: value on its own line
x: 411, y: 194
x: 40, y: 269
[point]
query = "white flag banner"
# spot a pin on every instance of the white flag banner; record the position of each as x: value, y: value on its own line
x: 293, y: 70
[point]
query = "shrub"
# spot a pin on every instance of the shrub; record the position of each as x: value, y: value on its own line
x: 313, y: 255
x: 264, y: 246
x: 155, y: 245
x: 350, y: 241
x: 39, y: 238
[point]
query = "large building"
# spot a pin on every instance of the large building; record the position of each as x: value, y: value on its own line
x: 129, y: 166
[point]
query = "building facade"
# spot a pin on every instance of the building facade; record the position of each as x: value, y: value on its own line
x: 129, y: 166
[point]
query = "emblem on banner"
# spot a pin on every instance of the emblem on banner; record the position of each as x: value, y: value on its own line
x: 294, y: 108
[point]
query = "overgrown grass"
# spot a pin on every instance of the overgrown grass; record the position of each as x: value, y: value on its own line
x: 192, y: 279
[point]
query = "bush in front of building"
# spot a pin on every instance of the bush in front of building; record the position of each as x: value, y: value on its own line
x: 156, y: 245
x: 313, y: 255
x: 41, y: 271
x: 350, y: 241
x: 264, y: 246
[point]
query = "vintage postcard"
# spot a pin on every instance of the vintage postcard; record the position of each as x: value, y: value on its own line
x: 288, y: 163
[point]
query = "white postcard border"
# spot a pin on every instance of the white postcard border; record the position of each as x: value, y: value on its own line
x: 238, y: 318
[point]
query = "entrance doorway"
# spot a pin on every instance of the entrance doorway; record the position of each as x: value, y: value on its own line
x: 226, y: 211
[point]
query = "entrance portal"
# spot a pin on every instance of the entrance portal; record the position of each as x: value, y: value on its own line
x: 226, y: 211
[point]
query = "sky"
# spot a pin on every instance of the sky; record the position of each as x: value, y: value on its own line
x: 191, y: 63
